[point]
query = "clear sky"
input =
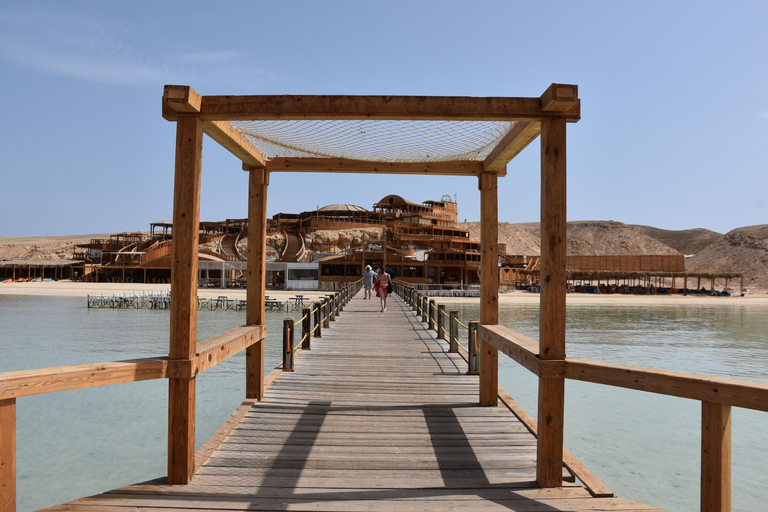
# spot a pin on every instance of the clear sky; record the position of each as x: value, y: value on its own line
x: 674, y: 129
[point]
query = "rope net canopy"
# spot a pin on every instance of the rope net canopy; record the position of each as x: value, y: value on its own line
x: 375, y: 140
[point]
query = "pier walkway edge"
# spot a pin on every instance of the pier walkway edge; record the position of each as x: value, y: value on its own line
x: 378, y: 415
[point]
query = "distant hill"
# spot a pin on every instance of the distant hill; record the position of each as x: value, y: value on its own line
x: 686, y: 241
x: 595, y: 237
x: 518, y: 240
x: 743, y: 250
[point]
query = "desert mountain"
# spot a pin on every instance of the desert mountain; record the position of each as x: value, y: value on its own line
x: 743, y: 250
x: 686, y: 241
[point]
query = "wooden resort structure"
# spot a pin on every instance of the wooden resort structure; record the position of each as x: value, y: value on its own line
x: 298, y: 419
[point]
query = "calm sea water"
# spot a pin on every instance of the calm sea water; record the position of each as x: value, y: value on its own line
x: 643, y: 446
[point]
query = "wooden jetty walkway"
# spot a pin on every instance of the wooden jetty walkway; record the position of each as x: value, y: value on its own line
x: 377, y: 416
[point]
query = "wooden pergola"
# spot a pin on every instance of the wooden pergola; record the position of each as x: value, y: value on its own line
x: 195, y: 115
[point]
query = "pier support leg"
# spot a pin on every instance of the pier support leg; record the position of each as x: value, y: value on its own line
x: 8, y: 455
x: 715, y: 457
x: 186, y: 225
x: 256, y: 290
x: 489, y: 286
x: 549, y: 461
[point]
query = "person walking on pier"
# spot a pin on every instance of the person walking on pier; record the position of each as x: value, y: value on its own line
x: 384, y: 283
x: 368, y: 277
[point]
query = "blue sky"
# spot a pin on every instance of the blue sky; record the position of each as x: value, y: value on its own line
x: 674, y: 129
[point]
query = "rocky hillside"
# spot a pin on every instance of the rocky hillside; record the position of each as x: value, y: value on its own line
x: 518, y: 240
x: 743, y: 250
x: 586, y: 238
x: 686, y: 241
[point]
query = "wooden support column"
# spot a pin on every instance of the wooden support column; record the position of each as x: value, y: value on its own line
x: 186, y: 223
x: 549, y: 470
x: 8, y: 455
x: 715, y: 457
x: 489, y: 286
x: 256, y: 290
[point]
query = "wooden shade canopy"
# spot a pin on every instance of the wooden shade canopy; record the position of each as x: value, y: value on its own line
x: 221, y: 118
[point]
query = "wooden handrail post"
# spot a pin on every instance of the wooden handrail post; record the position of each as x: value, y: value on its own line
x: 440, y: 322
x: 258, y: 182
x: 288, y: 329
x: 431, y: 312
x: 453, y: 331
x: 416, y: 302
x: 551, y: 411
x: 8, y: 455
x: 425, y: 309
x: 489, y: 286
x: 318, y: 319
x: 332, y: 307
x: 184, y: 264
x: 473, y: 348
x: 715, y: 457
x: 306, y: 329
x: 326, y: 312
x: 342, y: 299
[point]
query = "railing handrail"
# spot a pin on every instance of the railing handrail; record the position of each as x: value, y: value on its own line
x: 210, y: 352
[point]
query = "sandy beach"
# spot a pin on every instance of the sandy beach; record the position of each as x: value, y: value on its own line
x: 79, y: 289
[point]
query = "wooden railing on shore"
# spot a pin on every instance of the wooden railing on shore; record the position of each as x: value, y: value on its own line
x: 716, y: 394
x: 208, y: 354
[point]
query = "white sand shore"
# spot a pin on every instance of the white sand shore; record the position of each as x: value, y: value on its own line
x: 69, y: 288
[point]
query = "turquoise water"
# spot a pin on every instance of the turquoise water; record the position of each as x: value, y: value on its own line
x: 643, y: 446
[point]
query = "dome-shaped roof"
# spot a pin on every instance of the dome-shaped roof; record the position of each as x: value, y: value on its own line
x: 343, y: 208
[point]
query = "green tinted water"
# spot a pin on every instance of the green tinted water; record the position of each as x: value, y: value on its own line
x: 643, y: 446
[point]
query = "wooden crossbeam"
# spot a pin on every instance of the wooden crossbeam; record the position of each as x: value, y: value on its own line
x: 454, y: 168
x: 234, y: 142
x: 516, y: 140
x: 415, y: 108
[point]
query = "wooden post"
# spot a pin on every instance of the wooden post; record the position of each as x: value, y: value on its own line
x: 440, y: 322
x: 489, y: 286
x: 473, y: 363
x: 8, y: 455
x: 549, y: 471
x: 306, y: 329
x: 453, y: 331
x: 715, y: 457
x: 425, y: 309
x: 288, y: 329
x: 258, y: 181
x: 183, y: 339
x: 318, y: 319
x: 431, y: 310
x: 326, y: 312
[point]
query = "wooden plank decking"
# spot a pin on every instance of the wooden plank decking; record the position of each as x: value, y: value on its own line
x: 377, y: 416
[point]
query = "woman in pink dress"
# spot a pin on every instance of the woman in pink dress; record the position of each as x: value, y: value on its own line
x: 384, y: 283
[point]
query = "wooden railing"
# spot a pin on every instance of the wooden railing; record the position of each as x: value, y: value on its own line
x: 23, y: 383
x: 716, y: 394
x: 325, y: 311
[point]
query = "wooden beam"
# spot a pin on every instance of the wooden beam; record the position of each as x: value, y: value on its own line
x: 63, y: 378
x: 715, y: 457
x: 233, y: 141
x: 551, y: 409
x: 184, y: 260
x: 180, y: 99
x: 417, y: 108
x: 489, y: 286
x: 258, y: 183
x: 521, y: 349
x: 716, y: 390
x: 560, y: 98
x: 516, y: 140
x: 454, y: 168
x: 8, y: 455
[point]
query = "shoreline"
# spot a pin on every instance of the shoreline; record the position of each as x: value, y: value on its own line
x: 82, y: 289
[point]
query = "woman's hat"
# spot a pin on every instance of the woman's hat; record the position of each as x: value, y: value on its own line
x: 367, y: 267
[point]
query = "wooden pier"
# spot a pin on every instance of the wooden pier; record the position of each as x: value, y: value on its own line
x: 378, y: 415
